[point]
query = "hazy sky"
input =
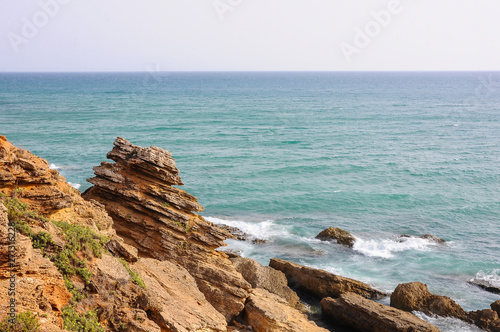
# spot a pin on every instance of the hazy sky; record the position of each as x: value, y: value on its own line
x: 169, y: 35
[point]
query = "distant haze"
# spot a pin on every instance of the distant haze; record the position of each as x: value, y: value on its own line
x: 212, y: 35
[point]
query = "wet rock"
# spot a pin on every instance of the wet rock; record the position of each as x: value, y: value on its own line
x: 428, y: 237
x: 266, y: 277
x: 486, y: 285
x: 321, y: 283
x: 495, y: 306
x: 416, y: 296
x: 486, y: 319
x: 343, y: 237
x: 360, y: 314
x: 268, y: 312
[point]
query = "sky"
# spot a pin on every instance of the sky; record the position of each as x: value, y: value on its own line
x: 249, y: 35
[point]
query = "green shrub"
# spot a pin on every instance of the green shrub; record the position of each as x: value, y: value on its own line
x: 85, y: 322
x: 24, y: 322
x: 134, y: 276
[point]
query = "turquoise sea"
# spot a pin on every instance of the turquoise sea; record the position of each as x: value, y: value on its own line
x: 285, y: 155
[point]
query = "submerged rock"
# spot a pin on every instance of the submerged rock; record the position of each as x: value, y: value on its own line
x: 321, y: 283
x: 360, y: 314
x: 343, y: 237
x: 268, y: 312
x: 486, y: 285
x: 428, y: 237
x: 159, y: 220
x: 415, y: 296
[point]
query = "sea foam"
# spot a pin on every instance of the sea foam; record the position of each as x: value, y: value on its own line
x: 491, y: 278
x: 387, y: 247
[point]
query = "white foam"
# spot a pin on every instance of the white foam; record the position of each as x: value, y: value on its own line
x: 262, y: 230
x: 491, y: 278
x: 448, y: 324
x: 387, y: 247
x: 75, y: 185
x: 54, y: 166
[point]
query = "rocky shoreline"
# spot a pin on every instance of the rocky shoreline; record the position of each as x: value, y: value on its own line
x: 132, y: 254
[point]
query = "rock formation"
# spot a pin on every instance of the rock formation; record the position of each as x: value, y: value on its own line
x: 416, y: 296
x: 360, y: 314
x: 321, y: 283
x: 495, y: 306
x: 266, y: 277
x: 156, y: 218
x: 268, y: 312
x: 343, y: 237
x: 428, y: 237
x: 486, y: 285
x: 486, y: 319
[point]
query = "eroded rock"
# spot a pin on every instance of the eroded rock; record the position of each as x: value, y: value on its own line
x: 321, y: 283
x: 159, y: 220
x: 268, y: 312
x: 343, y: 237
x: 416, y: 296
x: 360, y: 314
x: 486, y: 319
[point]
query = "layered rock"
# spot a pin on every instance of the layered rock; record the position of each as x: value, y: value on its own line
x: 30, y: 179
x: 37, y: 284
x: 321, y: 283
x: 158, y: 219
x: 360, y: 314
x: 342, y: 237
x: 415, y: 296
x: 269, y: 312
x: 267, y: 278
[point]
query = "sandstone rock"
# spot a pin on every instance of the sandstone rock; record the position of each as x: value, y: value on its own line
x: 333, y: 233
x: 268, y: 312
x: 39, y: 287
x: 321, y: 283
x: 495, y: 306
x: 158, y: 220
x: 416, y: 296
x: 266, y: 277
x: 123, y: 250
x: 360, y: 314
x: 486, y: 319
x: 429, y: 237
x: 173, y: 299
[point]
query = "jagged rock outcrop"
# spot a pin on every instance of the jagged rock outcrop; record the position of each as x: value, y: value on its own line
x: 37, y: 284
x: 269, y: 312
x: 30, y: 179
x: 360, y: 314
x: 266, y: 277
x: 158, y: 219
x: 416, y: 296
x: 321, y: 283
x: 343, y: 237
x: 495, y: 306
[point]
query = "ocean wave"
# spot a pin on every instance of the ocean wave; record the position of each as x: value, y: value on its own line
x: 387, y: 247
x: 54, y: 166
x: 448, y: 324
x: 75, y: 185
x: 488, y: 278
x: 262, y: 230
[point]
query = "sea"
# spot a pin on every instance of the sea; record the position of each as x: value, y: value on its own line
x: 284, y: 155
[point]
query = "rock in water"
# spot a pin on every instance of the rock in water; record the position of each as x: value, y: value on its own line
x: 495, y: 306
x: 428, y: 237
x: 343, y: 237
x: 486, y: 319
x: 158, y: 219
x: 416, y: 296
x: 360, y: 314
x: 321, y: 283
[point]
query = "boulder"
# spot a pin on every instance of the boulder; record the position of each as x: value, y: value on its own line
x: 486, y: 285
x: 173, y: 300
x: 495, y: 306
x: 266, y: 277
x: 486, y: 319
x: 268, y: 312
x: 416, y: 296
x: 343, y: 237
x: 158, y: 219
x: 322, y: 284
x: 359, y: 314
